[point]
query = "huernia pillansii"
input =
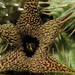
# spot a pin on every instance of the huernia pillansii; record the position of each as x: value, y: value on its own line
x: 30, y: 26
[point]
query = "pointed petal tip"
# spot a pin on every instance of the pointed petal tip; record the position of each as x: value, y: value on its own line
x: 49, y: 65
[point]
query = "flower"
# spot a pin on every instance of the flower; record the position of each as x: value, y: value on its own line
x: 29, y: 41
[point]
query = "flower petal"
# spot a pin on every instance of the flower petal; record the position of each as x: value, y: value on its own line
x: 9, y: 33
x: 47, y: 32
x: 43, y: 62
x: 14, y: 60
x: 29, y: 19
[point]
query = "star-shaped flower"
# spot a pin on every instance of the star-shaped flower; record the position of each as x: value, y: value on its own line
x: 29, y: 41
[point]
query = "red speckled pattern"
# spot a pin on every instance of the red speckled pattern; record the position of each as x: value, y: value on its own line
x: 30, y: 24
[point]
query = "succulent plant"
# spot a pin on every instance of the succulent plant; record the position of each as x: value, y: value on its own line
x: 63, y: 47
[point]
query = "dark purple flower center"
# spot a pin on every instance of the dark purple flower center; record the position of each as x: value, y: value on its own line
x: 30, y: 45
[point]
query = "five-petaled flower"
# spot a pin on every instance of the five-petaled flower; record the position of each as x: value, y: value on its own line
x: 29, y: 41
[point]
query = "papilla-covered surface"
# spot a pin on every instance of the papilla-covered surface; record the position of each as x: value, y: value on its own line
x: 29, y: 29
